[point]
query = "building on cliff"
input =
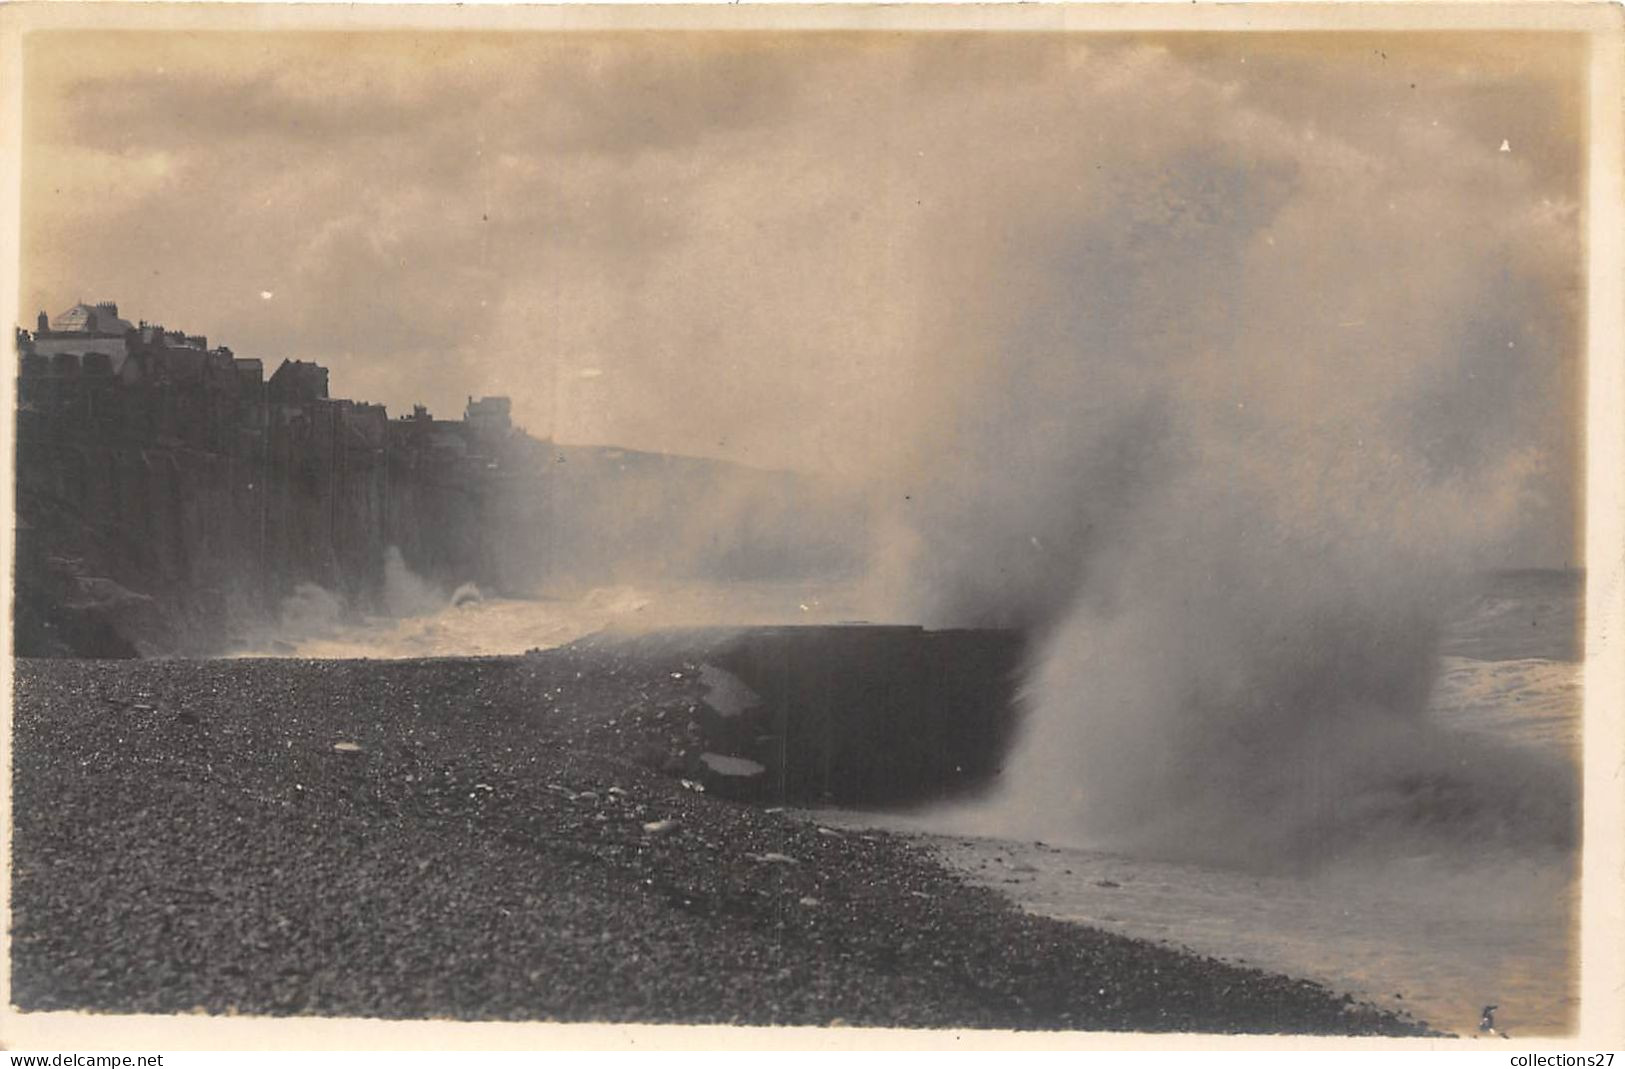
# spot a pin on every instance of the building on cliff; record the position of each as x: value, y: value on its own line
x: 489, y: 418
x: 82, y: 329
x: 298, y: 382
x: 88, y: 374
x: 185, y: 477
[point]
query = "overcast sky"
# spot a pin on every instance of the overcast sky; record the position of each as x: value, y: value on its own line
x: 816, y: 250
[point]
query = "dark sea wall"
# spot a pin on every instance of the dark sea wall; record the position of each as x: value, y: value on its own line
x: 848, y: 714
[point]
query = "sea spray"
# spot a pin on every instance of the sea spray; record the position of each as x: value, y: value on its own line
x: 315, y: 621
x: 405, y: 593
x: 310, y: 611
x: 1224, y: 426
x: 1243, y: 711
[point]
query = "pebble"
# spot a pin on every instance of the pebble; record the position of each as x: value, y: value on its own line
x: 341, y: 889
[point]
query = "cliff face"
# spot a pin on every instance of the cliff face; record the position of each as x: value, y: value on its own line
x: 130, y: 546
x: 169, y: 509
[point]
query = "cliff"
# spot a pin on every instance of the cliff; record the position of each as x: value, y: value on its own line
x: 170, y: 500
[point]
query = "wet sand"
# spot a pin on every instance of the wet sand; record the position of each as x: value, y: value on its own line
x: 490, y: 839
x: 1441, y: 945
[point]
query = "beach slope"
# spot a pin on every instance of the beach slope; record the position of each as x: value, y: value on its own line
x: 495, y: 839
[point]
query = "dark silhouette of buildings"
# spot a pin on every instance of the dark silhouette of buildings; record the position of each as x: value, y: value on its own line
x: 169, y: 490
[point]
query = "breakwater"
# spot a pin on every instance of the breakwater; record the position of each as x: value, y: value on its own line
x: 855, y: 714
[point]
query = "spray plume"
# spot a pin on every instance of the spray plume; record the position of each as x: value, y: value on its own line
x: 1224, y: 425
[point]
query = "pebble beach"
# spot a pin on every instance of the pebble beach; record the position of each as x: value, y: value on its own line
x: 504, y: 838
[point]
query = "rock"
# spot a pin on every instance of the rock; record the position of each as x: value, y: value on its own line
x: 809, y: 901
x: 729, y: 765
x: 727, y: 693
x: 661, y: 827
x: 774, y: 858
x: 347, y: 747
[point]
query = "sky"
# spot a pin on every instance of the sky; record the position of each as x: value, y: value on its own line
x: 916, y: 260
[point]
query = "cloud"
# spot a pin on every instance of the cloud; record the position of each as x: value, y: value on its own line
x: 787, y: 242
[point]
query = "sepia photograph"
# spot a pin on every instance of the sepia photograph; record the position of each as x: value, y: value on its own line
x: 983, y: 520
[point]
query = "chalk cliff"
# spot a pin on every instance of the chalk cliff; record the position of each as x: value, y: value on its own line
x: 170, y: 496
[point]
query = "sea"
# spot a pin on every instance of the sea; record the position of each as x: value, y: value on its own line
x: 1440, y: 935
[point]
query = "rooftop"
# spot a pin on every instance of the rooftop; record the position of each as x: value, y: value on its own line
x: 78, y: 319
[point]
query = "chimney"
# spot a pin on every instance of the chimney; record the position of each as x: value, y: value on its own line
x: 44, y: 322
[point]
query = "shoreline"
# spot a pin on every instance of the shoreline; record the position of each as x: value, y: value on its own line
x: 478, y: 838
x: 1401, y: 947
